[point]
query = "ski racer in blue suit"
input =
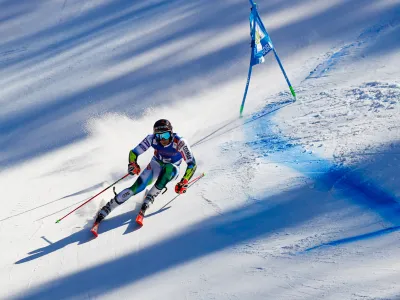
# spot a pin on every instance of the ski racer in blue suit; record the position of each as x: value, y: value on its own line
x: 169, y: 151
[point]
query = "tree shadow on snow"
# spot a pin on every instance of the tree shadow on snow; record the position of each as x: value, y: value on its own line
x: 131, y: 93
x: 249, y: 222
x: 356, y: 238
x: 368, y: 183
x: 208, y: 236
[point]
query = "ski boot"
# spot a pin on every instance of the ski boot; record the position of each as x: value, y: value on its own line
x: 145, y: 206
x: 106, y: 209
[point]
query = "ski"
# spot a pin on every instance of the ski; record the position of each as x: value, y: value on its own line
x: 139, y: 218
x: 140, y: 215
x: 94, y: 229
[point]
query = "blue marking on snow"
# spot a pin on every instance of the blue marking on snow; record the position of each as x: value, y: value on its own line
x: 322, y: 69
x: 269, y: 142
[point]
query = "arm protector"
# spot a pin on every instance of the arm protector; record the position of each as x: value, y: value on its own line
x: 187, y: 154
x: 139, y: 149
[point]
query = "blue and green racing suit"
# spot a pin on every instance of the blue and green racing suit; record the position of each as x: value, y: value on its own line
x: 163, y: 168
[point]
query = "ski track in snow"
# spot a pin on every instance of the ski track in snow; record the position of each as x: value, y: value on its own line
x: 353, y: 50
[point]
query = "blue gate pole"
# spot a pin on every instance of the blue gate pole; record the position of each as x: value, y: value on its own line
x: 284, y: 74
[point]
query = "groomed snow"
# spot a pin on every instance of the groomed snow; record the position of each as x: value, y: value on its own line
x: 300, y: 199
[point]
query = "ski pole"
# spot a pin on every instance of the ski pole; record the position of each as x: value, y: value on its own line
x: 190, y: 183
x: 58, y: 221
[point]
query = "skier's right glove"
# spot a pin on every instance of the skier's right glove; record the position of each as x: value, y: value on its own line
x: 133, y: 168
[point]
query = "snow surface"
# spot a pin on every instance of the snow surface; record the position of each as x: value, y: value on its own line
x: 300, y: 200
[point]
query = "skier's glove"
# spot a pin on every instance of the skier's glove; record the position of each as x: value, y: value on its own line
x: 133, y: 168
x: 181, y: 186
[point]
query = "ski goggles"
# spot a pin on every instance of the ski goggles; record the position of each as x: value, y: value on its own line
x: 163, y: 136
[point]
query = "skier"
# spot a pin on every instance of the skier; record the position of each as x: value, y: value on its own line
x: 169, y: 150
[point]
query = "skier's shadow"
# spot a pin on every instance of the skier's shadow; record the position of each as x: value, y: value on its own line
x: 133, y: 226
x: 163, y: 208
x: 158, y: 211
x: 83, y: 236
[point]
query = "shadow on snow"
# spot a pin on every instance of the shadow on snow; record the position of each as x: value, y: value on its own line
x: 133, y: 92
x: 249, y: 222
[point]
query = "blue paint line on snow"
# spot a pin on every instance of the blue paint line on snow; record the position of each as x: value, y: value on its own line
x: 322, y: 69
x: 270, y: 143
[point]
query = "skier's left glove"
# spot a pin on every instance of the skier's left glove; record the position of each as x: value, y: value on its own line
x: 181, y: 186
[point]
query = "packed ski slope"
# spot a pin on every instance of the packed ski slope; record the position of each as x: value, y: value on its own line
x: 300, y: 199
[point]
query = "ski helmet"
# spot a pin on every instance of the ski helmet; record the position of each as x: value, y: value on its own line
x: 162, y: 125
